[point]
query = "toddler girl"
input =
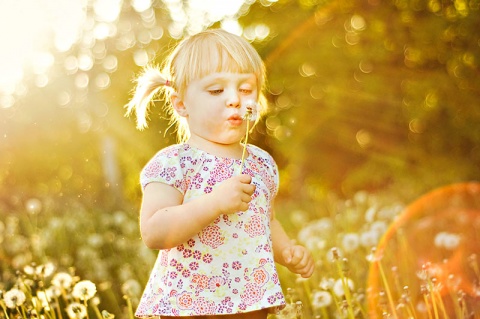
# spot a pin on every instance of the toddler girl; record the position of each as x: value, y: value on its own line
x: 208, y: 212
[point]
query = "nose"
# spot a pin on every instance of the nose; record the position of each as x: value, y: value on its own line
x: 233, y: 99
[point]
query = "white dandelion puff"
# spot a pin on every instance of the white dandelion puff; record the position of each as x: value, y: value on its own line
x: 350, y: 242
x: 14, y: 298
x: 84, y: 290
x: 249, y: 110
x: 321, y: 299
x: 76, y: 310
x: 338, y: 287
x: 62, y: 280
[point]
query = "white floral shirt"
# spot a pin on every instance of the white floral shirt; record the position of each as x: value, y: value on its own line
x: 228, y: 267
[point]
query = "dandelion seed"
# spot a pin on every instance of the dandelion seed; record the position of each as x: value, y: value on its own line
x: 76, y: 310
x: 62, y: 280
x: 321, y: 299
x: 84, y: 290
x: 350, y: 242
x: 338, y: 286
x: 14, y: 298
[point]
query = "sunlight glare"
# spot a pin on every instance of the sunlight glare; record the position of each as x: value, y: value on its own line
x: 28, y: 27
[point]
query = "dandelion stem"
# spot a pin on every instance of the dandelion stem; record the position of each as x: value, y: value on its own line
x: 5, y: 311
x: 129, y: 307
x: 346, y: 290
x: 387, y: 289
x: 245, y: 144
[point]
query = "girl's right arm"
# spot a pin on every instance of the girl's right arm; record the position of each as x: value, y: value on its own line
x: 166, y: 222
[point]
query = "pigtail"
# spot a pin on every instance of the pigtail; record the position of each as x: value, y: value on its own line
x: 148, y: 84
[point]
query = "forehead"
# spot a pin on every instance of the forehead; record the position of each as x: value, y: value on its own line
x: 217, y: 59
x: 228, y: 77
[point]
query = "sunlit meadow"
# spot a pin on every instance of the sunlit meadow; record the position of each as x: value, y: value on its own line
x: 376, y: 258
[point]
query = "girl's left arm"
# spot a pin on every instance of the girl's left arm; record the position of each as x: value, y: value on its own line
x: 295, y: 257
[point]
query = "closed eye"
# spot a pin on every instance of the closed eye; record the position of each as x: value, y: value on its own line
x: 215, y: 92
x: 245, y: 91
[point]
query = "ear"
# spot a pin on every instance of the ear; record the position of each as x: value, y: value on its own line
x: 178, y: 105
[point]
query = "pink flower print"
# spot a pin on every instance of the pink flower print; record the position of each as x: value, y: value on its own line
x: 211, y: 236
x: 187, y: 253
x: 271, y: 299
x: 179, y: 267
x: 164, y: 258
x: 215, y: 282
x: 252, y: 294
x: 201, y: 281
x: 197, y: 254
x: 236, y: 265
x: 260, y: 276
x: 191, y: 242
x: 186, y: 273
x: 255, y: 227
x: 221, y: 172
x: 202, y: 306
x: 207, y: 258
x: 185, y: 300
x: 193, y: 265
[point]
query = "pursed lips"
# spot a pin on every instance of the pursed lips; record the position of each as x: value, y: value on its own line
x: 235, y: 120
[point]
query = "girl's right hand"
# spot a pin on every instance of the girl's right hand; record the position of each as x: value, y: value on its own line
x: 234, y: 194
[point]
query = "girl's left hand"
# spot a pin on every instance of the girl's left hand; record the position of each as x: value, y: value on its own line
x: 298, y: 260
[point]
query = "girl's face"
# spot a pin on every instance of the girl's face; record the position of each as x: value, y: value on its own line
x: 214, y: 106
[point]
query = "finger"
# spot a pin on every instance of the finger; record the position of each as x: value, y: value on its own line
x: 249, y: 189
x: 287, y: 255
x: 246, y: 198
x: 244, y: 206
x: 299, y: 258
x: 244, y: 178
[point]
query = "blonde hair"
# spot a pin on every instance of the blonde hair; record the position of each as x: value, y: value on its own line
x: 207, y: 52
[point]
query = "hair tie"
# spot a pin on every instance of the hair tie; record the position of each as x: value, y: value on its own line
x: 168, y: 83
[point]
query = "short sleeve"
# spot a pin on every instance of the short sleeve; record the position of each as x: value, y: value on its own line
x: 165, y: 168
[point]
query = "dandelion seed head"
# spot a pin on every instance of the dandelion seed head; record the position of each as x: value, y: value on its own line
x: 249, y: 110
x: 84, y: 290
x: 76, y: 310
x: 350, y: 242
x: 369, y: 238
x: 326, y: 283
x: 321, y: 299
x: 14, y: 298
x: 62, y: 280
x: 338, y: 288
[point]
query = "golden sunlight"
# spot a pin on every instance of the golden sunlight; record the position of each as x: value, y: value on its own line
x: 27, y: 28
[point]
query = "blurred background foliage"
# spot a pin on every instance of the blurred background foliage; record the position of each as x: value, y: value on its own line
x: 377, y: 96
x: 365, y: 95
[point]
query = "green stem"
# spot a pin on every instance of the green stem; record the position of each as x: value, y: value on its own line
x: 245, y: 145
x: 387, y: 289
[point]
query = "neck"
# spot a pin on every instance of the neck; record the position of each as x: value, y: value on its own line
x: 233, y: 150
